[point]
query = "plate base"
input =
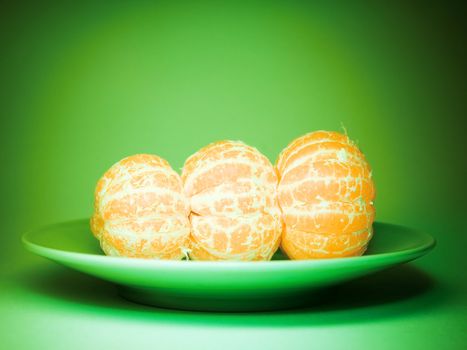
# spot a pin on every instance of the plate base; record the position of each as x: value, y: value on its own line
x: 228, y: 303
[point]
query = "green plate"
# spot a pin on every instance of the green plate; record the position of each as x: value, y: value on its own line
x: 223, y: 286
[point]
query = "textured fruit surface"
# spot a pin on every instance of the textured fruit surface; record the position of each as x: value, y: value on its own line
x: 326, y: 195
x: 232, y: 190
x: 140, y: 210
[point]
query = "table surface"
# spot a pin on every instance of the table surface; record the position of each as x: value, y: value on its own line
x: 423, y: 303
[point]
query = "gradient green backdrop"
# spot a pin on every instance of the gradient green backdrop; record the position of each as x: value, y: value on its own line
x: 84, y: 84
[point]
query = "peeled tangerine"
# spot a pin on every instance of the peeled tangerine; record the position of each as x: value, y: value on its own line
x: 140, y: 210
x: 326, y: 195
x: 235, y: 214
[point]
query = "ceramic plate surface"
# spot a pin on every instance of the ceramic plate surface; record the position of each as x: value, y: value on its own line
x: 223, y: 286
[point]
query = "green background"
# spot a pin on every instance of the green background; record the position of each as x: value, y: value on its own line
x: 84, y: 84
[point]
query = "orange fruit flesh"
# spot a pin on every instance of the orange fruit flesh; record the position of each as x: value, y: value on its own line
x: 232, y: 238
x: 232, y: 192
x: 305, y: 245
x: 326, y: 195
x: 140, y: 210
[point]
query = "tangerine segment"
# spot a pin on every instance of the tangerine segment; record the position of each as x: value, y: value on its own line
x: 223, y: 162
x: 305, y: 245
x: 324, y: 169
x: 324, y: 151
x: 325, y: 188
x: 232, y: 190
x: 148, y: 239
x: 330, y: 217
x: 234, y: 198
x: 315, y: 189
x: 253, y: 237
x: 140, y: 196
x: 145, y: 202
x: 316, y: 137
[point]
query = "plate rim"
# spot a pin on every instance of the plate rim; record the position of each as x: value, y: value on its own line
x: 48, y: 253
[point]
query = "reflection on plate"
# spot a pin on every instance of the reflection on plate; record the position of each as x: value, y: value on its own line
x: 223, y: 286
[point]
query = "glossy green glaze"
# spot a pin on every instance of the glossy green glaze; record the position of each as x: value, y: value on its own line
x: 223, y: 286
